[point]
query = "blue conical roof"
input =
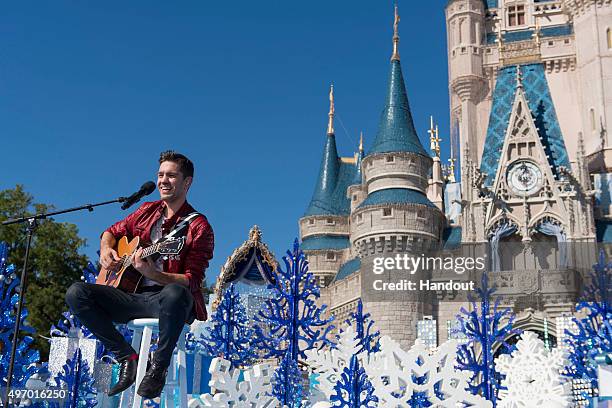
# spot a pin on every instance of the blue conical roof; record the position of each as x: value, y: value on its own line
x: 396, y: 132
x: 323, y: 198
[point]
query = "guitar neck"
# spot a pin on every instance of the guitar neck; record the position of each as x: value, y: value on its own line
x: 150, y: 250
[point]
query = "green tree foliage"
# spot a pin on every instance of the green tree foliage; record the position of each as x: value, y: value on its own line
x: 54, y: 264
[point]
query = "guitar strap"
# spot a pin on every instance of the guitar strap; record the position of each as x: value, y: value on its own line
x: 184, y: 223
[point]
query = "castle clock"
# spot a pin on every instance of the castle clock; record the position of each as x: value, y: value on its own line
x: 524, y: 178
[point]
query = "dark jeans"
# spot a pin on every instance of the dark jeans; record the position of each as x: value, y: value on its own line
x: 99, y: 307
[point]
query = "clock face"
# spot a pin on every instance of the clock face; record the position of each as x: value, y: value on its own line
x: 524, y: 178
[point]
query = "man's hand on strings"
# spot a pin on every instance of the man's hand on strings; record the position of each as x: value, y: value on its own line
x: 109, y: 258
x: 145, y: 266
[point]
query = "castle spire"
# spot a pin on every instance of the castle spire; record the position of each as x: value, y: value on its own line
x: 361, y: 143
x: 330, y: 123
x: 519, y: 77
x: 396, y: 20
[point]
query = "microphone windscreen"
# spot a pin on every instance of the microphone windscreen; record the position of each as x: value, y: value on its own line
x: 148, y: 187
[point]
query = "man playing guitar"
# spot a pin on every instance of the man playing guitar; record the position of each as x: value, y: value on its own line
x: 170, y: 287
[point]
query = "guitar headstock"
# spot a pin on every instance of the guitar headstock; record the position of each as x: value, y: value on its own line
x: 171, y: 246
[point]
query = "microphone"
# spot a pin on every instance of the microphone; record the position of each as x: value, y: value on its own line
x: 146, y: 189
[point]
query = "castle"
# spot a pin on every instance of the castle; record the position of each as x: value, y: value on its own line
x: 531, y: 95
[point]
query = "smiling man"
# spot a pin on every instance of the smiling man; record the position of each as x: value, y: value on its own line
x: 170, y: 287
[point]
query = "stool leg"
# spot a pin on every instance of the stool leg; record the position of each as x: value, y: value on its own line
x: 182, y: 371
x: 170, y: 384
x: 125, y: 396
x: 143, y: 357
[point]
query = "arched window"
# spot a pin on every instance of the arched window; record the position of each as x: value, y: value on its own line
x: 609, y: 37
x: 592, y: 116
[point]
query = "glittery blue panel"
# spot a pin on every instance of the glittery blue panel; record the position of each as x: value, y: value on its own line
x: 396, y: 196
x: 322, y: 242
x: 541, y: 106
x: 396, y: 132
x: 557, y: 31
x: 329, y: 197
x: 348, y: 268
x: 451, y: 237
x: 522, y: 35
x: 604, y: 231
x: 518, y: 35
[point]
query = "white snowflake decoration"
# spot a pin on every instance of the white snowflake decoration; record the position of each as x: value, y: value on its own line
x: 533, y: 377
x: 393, y: 371
x: 229, y: 392
x: 330, y: 363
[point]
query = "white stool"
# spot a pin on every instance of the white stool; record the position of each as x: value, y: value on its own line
x: 177, y: 371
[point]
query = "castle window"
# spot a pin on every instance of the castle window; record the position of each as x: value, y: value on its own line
x: 566, y: 41
x: 359, y: 217
x: 330, y: 256
x: 387, y: 212
x: 390, y: 159
x: 311, y: 221
x: 354, y: 197
x: 551, y: 43
x: 330, y: 221
x: 592, y: 116
x: 516, y: 15
x: 420, y: 214
x: 609, y: 37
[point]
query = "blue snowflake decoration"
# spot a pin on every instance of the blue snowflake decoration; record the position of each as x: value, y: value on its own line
x: 369, y: 340
x: 354, y: 389
x: 231, y: 335
x: 79, y: 383
x: 25, y: 358
x: 484, y: 329
x: 290, y: 322
x: 287, y: 383
x: 594, y: 332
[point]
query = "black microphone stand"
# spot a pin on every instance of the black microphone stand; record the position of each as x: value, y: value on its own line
x: 32, y: 222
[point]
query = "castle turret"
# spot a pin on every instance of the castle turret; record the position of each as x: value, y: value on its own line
x: 324, y: 227
x: 593, y: 30
x: 396, y: 216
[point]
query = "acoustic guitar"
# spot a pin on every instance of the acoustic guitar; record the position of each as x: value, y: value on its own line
x: 123, y: 275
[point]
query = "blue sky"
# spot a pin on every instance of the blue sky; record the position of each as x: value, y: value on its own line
x: 91, y: 92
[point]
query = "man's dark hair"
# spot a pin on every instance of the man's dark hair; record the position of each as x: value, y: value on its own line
x: 185, y: 165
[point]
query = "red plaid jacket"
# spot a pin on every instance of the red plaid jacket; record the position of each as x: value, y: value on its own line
x: 192, y: 260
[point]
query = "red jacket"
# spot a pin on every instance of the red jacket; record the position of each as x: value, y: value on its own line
x: 192, y: 260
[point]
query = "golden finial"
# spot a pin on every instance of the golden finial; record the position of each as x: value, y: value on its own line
x: 330, y: 124
x: 451, y: 170
x: 396, y: 38
x: 434, y: 138
x: 361, y: 142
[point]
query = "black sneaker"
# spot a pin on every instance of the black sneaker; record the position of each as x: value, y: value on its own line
x: 153, y: 382
x: 127, y: 376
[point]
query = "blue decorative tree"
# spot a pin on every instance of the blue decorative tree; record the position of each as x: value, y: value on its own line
x: 485, y: 327
x: 79, y: 383
x: 287, y: 383
x: 230, y: 335
x: 354, y: 389
x: 291, y: 323
x: 594, y: 332
x: 369, y: 341
x: 25, y: 358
